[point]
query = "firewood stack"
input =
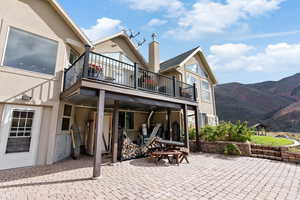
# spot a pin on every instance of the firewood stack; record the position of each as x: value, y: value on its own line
x: 130, y: 150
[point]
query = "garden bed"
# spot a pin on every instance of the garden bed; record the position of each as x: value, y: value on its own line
x: 271, y: 141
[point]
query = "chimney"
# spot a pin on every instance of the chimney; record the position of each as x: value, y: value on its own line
x: 154, y: 60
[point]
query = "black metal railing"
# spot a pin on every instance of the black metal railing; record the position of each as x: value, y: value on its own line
x: 104, y: 68
x: 185, y: 90
x: 74, y: 73
x: 154, y: 82
x: 98, y: 67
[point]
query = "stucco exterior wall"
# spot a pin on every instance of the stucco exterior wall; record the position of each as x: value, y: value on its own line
x: 36, y: 17
x: 44, y: 136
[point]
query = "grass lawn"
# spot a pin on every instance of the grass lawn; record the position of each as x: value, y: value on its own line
x: 271, y: 141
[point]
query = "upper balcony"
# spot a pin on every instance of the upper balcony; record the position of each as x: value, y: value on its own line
x: 101, y: 69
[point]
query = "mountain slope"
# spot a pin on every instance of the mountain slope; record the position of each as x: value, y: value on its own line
x: 277, y: 103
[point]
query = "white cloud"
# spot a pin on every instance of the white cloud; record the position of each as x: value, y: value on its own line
x: 269, y: 35
x: 208, y: 16
x: 173, y: 7
x: 230, y: 50
x: 104, y: 27
x: 156, y: 22
x: 280, y: 57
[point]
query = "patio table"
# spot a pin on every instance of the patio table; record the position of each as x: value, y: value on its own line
x: 158, y: 155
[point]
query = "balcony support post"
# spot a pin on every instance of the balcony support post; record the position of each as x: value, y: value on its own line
x: 198, y: 126
x: 170, y: 124
x: 86, y: 61
x: 185, y: 123
x: 115, y: 129
x: 98, y: 135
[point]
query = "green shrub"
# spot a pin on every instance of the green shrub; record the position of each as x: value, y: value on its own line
x: 227, y: 131
x: 240, y: 132
x: 209, y: 133
x: 192, y: 134
x: 232, y: 149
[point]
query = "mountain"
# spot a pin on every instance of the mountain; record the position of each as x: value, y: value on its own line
x: 275, y: 103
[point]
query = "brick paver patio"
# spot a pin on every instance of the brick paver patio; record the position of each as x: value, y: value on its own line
x: 209, y: 176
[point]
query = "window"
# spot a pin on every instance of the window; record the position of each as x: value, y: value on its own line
x: 125, y: 59
x: 20, y: 131
x: 127, y: 120
x: 206, y: 91
x: 73, y: 56
x: 119, y: 56
x: 197, y: 69
x: 30, y: 52
x: 190, y: 79
x: 66, y: 118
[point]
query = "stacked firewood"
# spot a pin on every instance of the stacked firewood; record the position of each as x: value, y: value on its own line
x: 130, y: 150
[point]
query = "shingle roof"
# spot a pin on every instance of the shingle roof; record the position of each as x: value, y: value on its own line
x: 176, y: 60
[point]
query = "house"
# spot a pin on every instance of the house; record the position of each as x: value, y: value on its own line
x: 52, y: 79
x: 191, y: 67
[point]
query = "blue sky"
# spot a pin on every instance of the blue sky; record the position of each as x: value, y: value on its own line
x: 244, y: 40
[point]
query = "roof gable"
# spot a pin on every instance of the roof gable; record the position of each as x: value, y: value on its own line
x: 69, y: 22
x: 176, y: 61
x: 181, y: 59
x: 131, y: 45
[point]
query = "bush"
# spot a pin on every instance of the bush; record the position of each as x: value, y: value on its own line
x: 227, y: 131
x: 232, y: 149
x: 192, y: 134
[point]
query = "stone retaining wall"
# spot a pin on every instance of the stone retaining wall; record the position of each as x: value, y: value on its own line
x: 290, y: 157
x: 219, y: 146
x: 247, y: 149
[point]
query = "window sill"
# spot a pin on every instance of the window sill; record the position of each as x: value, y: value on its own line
x: 27, y: 73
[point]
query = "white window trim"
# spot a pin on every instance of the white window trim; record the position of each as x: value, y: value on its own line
x: 195, y: 73
x: 76, y: 52
x: 24, y: 70
x: 187, y: 73
x: 205, y: 90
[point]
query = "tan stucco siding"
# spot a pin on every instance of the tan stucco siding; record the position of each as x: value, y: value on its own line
x: 44, y: 136
x: 37, y: 17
